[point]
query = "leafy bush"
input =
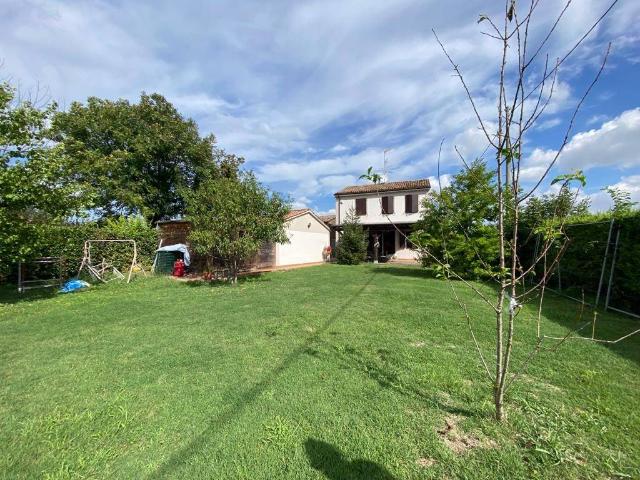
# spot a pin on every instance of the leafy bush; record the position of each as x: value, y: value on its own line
x: 233, y: 217
x: 458, y: 225
x: 352, y: 245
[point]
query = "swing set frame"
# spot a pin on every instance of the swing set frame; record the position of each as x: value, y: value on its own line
x: 100, y: 270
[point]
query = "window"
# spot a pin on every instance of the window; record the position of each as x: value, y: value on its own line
x: 387, y: 205
x: 411, y: 203
x: 361, y: 206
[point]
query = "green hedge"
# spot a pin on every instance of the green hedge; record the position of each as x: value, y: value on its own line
x: 67, y: 241
x: 581, y: 264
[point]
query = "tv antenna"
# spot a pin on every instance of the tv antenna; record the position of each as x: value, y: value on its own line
x: 384, y: 164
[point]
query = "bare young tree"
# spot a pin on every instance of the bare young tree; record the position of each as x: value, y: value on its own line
x: 526, y: 85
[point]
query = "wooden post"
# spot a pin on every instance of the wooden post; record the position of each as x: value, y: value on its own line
x: 134, y: 261
x: 20, y: 290
x: 376, y: 245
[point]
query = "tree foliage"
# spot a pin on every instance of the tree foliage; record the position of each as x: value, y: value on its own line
x: 137, y: 158
x: 352, y: 245
x: 553, y: 207
x: 232, y: 217
x: 622, y: 203
x: 36, y: 190
x: 457, y: 224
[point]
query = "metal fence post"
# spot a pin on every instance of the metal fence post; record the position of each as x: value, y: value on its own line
x: 613, y: 266
x: 604, y: 264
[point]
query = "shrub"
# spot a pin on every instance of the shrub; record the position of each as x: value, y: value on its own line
x: 352, y: 245
x: 458, y: 225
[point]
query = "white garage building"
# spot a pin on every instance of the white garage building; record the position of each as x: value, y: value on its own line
x: 308, y: 237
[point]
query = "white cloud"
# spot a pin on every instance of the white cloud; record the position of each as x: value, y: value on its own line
x: 331, y: 211
x: 445, y: 181
x: 312, y: 92
x: 601, y: 200
x: 339, y: 148
x: 598, y: 118
x: 615, y: 144
x: 550, y: 123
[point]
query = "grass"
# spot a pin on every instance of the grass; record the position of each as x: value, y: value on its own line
x: 326, y: 372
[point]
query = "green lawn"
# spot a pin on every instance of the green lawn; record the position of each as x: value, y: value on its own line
x: 326, y: 372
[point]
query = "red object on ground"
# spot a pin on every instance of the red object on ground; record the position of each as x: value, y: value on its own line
x: 178, y: 268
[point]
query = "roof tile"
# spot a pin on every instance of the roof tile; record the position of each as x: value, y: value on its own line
x: 296, y: 213
x: 386, y: 187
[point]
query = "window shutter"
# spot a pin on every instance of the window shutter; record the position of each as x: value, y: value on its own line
x: 411, y: 203
x: 387, y: 205
x: 361, y: 206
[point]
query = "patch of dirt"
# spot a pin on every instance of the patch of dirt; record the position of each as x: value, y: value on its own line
x: 425, y: 462
x: 417, y: 344
x: 458, y: 441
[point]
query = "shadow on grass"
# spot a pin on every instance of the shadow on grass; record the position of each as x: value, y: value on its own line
x: 245, y: 279
x: 9, y: 294
x: 609, y: 326
x: 350, y: 358
x: 329, y: 461
x: 403, y: 271
x: 224, y: 417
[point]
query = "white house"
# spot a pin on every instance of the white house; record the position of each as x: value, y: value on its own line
x: 388, y: 212
x: 308, y: 237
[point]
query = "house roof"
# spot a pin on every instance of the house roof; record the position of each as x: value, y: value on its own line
x: 386, y: 187
x: 303, y: 211
x: 328, y: 219
x: 296, y: 213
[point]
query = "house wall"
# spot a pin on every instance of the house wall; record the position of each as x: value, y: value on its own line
x: 177, y: 231
x: 374, y: 207
x: 307, y: 223
x: 307, y: 239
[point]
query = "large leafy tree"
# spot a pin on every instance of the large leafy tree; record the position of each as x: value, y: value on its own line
x: 137, y: 157
x: 553, y: 206
x: 35, y: 187
x: 458, y: 224
x: 232, y: 217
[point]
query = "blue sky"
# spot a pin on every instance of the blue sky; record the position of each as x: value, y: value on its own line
x: 312, y: 92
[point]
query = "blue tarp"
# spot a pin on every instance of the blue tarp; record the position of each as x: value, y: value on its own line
x: 73, y: 285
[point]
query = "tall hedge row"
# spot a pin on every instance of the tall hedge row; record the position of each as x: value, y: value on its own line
x: 581, y: 264
x: 67, y: 240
